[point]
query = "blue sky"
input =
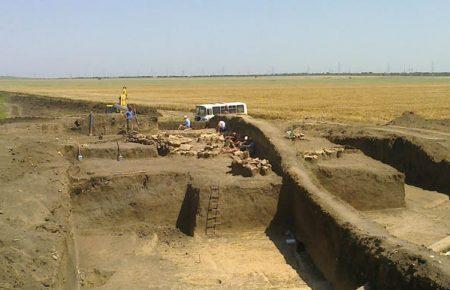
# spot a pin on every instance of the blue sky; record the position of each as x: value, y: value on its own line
x: 84, y: 38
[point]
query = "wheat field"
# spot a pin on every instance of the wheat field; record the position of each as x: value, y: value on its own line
x: 372, y: 99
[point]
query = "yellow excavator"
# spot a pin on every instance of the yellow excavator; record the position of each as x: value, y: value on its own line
x: 121, y: 105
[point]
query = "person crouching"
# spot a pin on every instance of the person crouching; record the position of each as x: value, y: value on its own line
x: 186, y: 124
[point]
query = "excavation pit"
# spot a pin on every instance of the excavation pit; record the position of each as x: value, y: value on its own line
x: 134, y: 228
x: 140, y: 222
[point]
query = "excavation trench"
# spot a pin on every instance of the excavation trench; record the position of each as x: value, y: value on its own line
x: 126, y: 225
x: 140, y: 223
x: 420, y: 168
x: 348, y: 248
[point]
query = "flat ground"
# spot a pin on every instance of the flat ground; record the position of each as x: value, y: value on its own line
x: 366, y: 99
x: 424, y: 221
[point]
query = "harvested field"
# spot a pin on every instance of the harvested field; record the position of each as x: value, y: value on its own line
x: 357, y: 98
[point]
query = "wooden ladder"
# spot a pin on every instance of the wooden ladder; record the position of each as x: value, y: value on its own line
x: 212, y: 216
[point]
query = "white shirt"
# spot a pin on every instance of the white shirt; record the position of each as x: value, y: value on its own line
x: 222, y: 124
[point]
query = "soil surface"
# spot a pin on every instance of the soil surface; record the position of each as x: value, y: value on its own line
x: 108, y: 224
x: 424, y: 220
x: 140, y: 221
x: 412, y: 120
x: 420, y: 216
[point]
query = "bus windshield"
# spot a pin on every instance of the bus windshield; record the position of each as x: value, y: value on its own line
x: 200, y: 111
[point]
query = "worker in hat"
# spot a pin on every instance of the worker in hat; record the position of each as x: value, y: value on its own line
x: 249, y: 145
x: 186, y: 124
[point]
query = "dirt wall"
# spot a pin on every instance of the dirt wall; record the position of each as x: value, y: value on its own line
x: 349, y: 249
x: 155, y: 199
x: 243, y: 206
x: 174, y: 199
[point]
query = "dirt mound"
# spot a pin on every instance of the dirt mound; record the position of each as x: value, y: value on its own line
x: 412, y: 120
x: 36, y: 105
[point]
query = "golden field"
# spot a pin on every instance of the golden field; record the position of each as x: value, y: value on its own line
x: 341, y: 98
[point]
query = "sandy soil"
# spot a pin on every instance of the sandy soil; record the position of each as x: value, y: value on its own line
x: 424, y: 216
x: 164, y: 258
x: 112, y: 225
x: 43, y: 245
x: 424, y: 220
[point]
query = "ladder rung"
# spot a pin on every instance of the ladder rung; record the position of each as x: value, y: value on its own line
x: 213, y: 210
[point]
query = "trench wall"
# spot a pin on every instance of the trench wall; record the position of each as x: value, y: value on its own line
x: 173, y: 198
x: 105, y: 201
x: 419, y: 167
x: 349, y: 249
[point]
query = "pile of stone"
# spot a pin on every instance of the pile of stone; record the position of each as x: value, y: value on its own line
x: 174, y: 144
x: 326, y: 152
x: 136, y: 137
x: 183, y: 149
x: 246, y: 166
x: 209, y: 151
x: 176, y: 141
x: 181, y: 145
x: 211, y: 138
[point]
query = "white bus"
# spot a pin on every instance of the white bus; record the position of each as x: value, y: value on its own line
x: 206, y: 111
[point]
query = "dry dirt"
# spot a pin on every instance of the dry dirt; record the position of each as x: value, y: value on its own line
x: 104, y: 224
x: 405, y: 209
x: 140, y: 222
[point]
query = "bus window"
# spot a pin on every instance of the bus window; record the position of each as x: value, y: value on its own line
x: 240, y: 109
x: 232, y: 109
x: 200, y: 111
x: 209, y: 112
x: 216, y: 110
x: 223, y: 110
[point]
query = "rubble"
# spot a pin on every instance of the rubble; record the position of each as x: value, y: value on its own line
x: 325, y: 152
x: 209, y: 151
x: 136, y: 137
x: 246, y: 166
x: 211, y: 138
x: 177, y: 140
x: 181, y: 145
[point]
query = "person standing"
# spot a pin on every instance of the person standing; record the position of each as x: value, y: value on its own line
x: 129, y: 115
x: 221, y: 127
